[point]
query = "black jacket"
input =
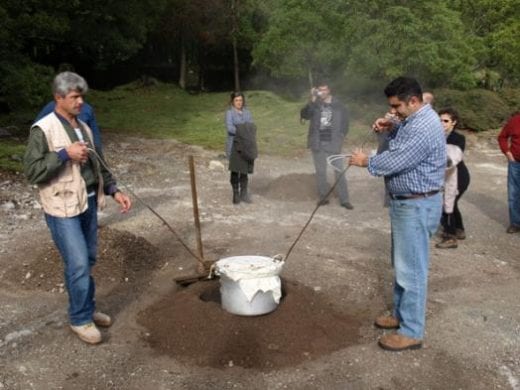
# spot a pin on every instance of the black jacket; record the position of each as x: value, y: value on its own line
x: 244, y: 150
x: 312, y: 112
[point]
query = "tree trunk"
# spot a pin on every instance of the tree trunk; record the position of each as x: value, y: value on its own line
x: 183, y: 67
x: 311, y: 79
x: 234, y: 33
x: 236, y: 65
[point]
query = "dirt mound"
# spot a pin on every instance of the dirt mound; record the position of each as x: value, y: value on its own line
x: 294, y: 187
x: 122, y: 257
x: 191, y: 326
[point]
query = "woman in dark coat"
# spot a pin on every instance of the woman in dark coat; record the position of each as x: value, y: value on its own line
x: 238, y: 118
x: 452, y: 223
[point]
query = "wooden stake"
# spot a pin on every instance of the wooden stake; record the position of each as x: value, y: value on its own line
x: 200, y: 267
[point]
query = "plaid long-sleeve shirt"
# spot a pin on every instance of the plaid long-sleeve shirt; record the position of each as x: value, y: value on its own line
x: 415, y: 161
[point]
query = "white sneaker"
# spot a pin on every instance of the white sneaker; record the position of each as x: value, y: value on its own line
x: 102, y: 319
x: 88, y: 333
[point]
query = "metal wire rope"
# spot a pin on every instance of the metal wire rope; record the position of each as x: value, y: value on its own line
x: 332, y: 158
x: 192, y: 253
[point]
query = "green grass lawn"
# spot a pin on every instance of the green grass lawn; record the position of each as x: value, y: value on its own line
x: 11, y: 154
x: 165, y: 111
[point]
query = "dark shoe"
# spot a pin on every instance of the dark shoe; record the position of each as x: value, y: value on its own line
x: 323, y: 202
x: 398, y: 342
x: 447, y: 243
x: 513, y: 229
x: 347, y: 205
x: 386, y: 322
x: 102, y: 319
x: 460, y: 234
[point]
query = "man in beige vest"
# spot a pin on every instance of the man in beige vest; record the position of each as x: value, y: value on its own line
x: 72, y: 184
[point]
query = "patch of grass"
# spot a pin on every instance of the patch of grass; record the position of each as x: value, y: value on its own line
x: 165, y: 111
x: 11, y: 155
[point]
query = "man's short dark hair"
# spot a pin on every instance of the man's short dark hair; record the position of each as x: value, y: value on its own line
x: 404, y: 88
x: 323, y: 82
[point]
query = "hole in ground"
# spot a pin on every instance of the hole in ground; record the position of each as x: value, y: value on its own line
x: 305, y: 326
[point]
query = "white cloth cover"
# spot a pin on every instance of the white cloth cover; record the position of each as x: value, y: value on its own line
x: 253, y: 274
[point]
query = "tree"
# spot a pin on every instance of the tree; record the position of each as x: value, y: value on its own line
x: 203, y: 33
x: 495, y: 26
x: 37, y: 33
x: 303, y: 37
x: 424, y: 39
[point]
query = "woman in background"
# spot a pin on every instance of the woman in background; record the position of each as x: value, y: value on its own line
x: 451, y: 217
x: 239, y: 125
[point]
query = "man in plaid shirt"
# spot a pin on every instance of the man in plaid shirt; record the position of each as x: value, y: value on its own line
x: 413, y: 168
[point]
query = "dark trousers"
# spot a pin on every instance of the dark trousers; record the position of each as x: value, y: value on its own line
x: 453, y: 222
x: 238, y: 179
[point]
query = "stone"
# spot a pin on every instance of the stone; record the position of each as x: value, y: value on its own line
x: 215, y: 165
x: 9, y: 205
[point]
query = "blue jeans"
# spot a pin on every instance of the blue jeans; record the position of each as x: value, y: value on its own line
x: 320, y: 164
x: 413, y: 222
x: 513, y: 192
x: 76, y: 240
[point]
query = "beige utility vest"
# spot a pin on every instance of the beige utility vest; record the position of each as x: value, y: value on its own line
x: 66, y: 194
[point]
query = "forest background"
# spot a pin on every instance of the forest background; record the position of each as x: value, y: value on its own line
x: 465, y: 51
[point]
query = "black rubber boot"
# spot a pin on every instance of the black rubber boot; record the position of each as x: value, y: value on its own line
x: 236, y: 194
x: 244, y: 195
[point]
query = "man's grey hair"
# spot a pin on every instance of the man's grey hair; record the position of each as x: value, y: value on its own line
x: 66, y: 82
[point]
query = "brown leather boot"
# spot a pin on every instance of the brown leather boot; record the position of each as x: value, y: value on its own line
x: 447, y: 243
x: 460, y: 234
x: 386, y: 322
x: 513, y: 229
x: 102, y: 319
x: 398, y: 342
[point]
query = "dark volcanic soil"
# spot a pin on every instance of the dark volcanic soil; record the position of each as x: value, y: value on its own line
x: 191, y: 326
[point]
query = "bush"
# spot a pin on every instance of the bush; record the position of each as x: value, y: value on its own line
x: 512, y: 98
x: 479, y: 109
x: 25, y: 85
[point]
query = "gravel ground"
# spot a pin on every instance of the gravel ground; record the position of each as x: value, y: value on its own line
x: 337, y: 279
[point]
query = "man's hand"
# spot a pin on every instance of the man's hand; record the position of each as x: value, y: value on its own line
x: 382, y: 124
x: 314, y: 94
x: 78, y: 152
x: 359, y: 159
x: 510, y: 157
x: 123, y: 200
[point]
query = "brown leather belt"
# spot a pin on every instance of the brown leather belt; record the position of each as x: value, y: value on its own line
x: 414, y: 196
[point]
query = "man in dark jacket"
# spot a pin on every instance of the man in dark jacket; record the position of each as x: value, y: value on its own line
x: 327, y: 130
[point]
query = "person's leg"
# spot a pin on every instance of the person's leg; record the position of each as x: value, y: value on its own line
x: 76, y: 251
x: 444, y: 221
x: 244, y: 193
x: 513, y: 192
x: 89, y: 226
x: 320, y: 165
x: 413, y: 224
x: 235, y: 182
x: 341, y: 187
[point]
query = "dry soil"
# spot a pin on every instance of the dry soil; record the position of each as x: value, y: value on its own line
x: 337, y: 279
